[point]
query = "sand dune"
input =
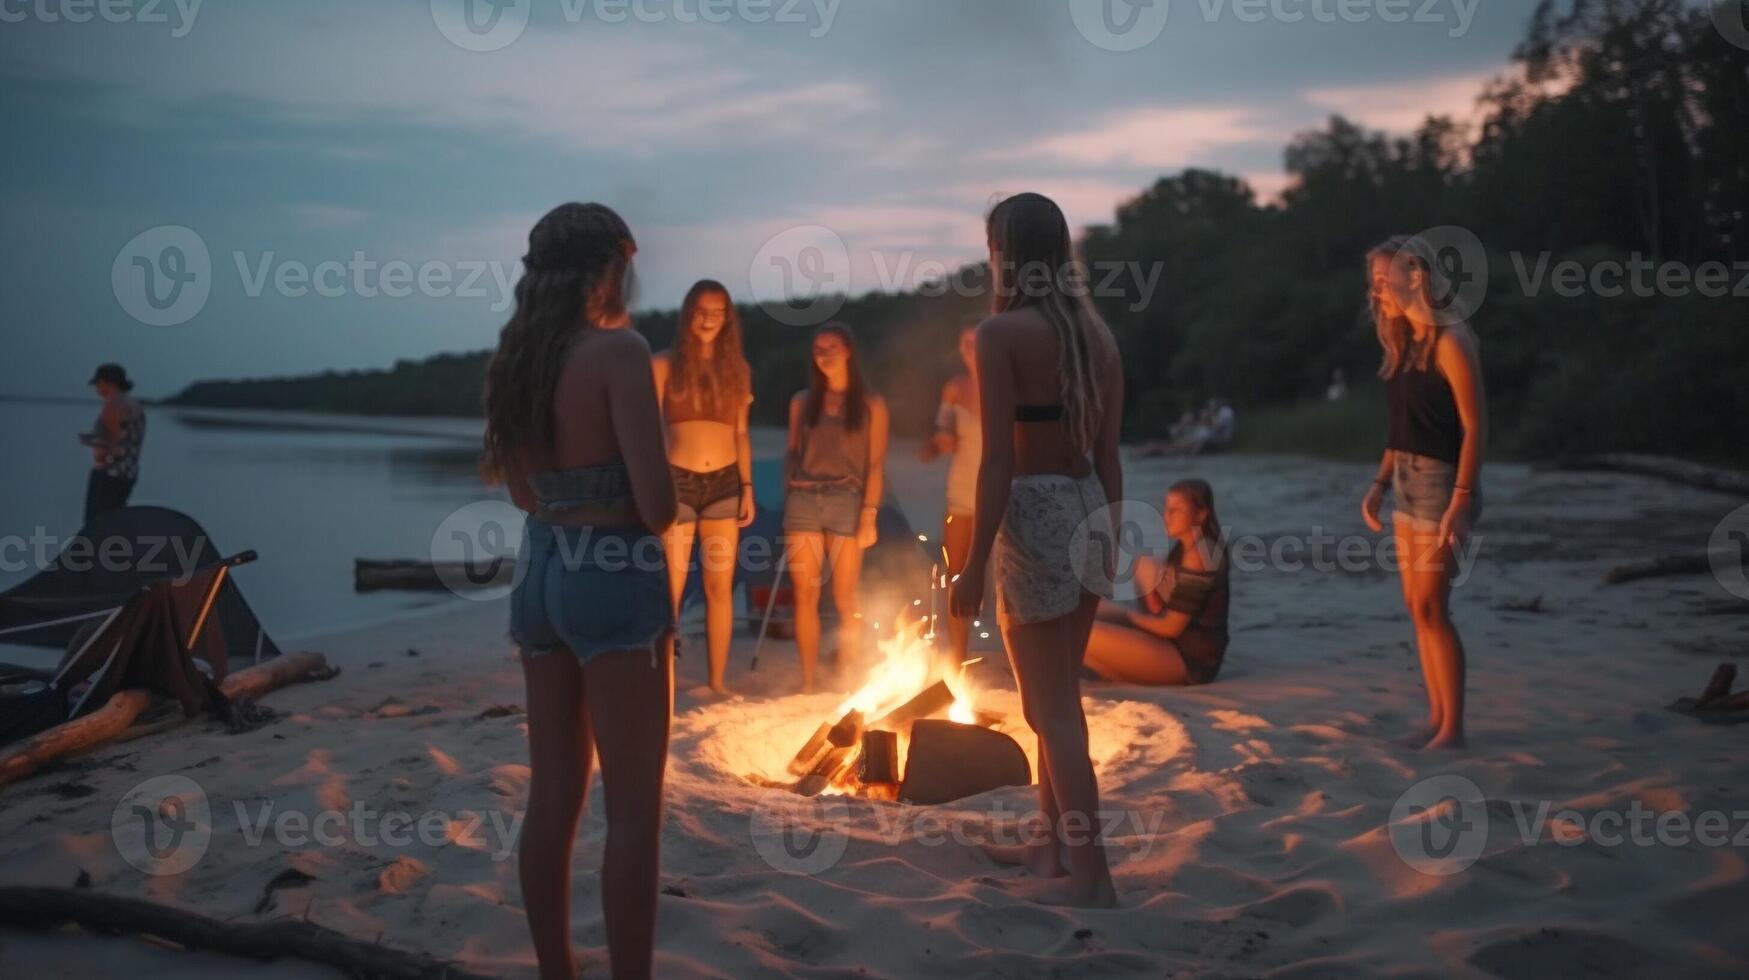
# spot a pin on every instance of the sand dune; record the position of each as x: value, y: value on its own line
x: 1252, y: 827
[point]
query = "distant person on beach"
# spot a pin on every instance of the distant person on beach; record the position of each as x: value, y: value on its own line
x: 1051, y: 397
x: 114, y: 442
x: 706, y: 389
x: 834, y: 475
x: 1338, y: 389
x: 1222, y: 424
x: 574, y: 430
x: 1178, y: 636
x: 959, y: 433
x: 1437, y: 435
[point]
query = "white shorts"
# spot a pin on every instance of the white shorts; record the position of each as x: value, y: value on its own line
x: 1048, y: 553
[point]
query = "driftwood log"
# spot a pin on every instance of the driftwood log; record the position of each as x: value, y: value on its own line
x: 1662, y: 566
x: 47, y: 908
x: 1676, y: 470
x: 111, y: 721
x: 369, y: 575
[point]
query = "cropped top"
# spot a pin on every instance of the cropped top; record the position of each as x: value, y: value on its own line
x: 1038, y: 413
x: 605, y: 484
x: 681, y: 408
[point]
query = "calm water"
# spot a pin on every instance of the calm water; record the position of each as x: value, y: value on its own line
x: 308, y: 492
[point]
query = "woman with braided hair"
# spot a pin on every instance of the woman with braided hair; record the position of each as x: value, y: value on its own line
x: 1050, y: 393
x: 573, y: 429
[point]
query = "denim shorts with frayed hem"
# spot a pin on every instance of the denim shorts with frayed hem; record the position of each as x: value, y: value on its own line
x: 592, y: 590
x: 1423, y: 486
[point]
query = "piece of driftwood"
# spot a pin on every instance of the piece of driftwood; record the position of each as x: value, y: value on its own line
x: 414, y: 575
x: 1660, y: 567
x: 936, y: 697
x: 948, y: 761
x: 48, y: 908
x: 1675, y: 470
x: 113, y: 719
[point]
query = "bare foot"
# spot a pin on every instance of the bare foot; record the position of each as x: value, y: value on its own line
x: 1040, y: 860
x: 1071, y: 894
x: 1419, y: 737
x: 1446, y: 740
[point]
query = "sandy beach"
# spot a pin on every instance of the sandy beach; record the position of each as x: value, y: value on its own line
x: 1251, y: 819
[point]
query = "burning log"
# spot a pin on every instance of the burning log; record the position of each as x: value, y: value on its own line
x: 949, y: 761
x: 826, y: 739
x: 935, y: 698
x: 878, y: 770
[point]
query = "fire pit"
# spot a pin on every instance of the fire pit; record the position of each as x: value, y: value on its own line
x: 912, y: 733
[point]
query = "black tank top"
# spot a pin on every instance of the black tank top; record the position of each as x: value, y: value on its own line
x: 1424, y: 416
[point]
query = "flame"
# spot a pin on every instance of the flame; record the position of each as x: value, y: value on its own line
x: 909, y: 664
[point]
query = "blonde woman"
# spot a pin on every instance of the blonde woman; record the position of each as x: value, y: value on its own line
x: 1437, y: 436
x: 1051, y: 397
x: 959, y: 433
x: 706, y: 390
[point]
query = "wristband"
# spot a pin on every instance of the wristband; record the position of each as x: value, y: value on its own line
x: 1462, y: 489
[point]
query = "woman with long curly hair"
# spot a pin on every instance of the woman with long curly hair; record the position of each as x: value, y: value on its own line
x: 574, y: 431
x: 706, y: 389
x: 1051, y: 397
x: 1436, y: 438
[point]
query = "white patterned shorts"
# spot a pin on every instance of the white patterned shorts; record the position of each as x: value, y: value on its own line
x: 1046, y: 557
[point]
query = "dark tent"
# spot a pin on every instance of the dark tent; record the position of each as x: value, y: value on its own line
x: 111, y: 559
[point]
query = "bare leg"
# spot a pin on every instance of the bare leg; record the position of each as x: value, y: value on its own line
x: 1045, y: 657
x: 559, y: 759
x: 806, y: 560
x: 677, y: 548
x: 846, y: 598
x: 1441, y: 649
x: 630, y: 702
x: 1408, y: 559
x: 718, y: 540
x: 1133, y: 656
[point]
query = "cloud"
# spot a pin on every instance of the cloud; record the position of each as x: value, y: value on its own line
x: 1401, y: 106
x: 1151, y: 137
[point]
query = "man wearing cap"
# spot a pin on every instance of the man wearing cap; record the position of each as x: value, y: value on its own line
x: 115, y: 445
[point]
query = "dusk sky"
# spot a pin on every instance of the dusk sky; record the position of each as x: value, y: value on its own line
x: 286, y: 135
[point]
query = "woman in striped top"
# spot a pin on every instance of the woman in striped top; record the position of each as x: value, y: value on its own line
x: 1179, y: 635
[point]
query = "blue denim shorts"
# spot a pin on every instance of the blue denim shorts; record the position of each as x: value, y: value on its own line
x: 591, y: 590
x: 834, y: 510
x: 1423, y: 489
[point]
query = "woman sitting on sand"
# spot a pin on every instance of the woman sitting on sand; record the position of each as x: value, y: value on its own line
x: 959, y: 432
x: 1437, y: 435
x: 1179, y: 636
x: 706, y: 387
x: 834, y: 475
x: 1051, y: 396
x: 574, y: 431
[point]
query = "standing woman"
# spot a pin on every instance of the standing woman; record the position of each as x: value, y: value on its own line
x: 574, y: 431
x: 834, y: 475
x: 1437, y: 436
x: 706, y: 387
x: 1052, y: 396
x: 959, y: 432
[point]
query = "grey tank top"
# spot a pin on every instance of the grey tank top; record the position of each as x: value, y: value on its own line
x: 832, y: 455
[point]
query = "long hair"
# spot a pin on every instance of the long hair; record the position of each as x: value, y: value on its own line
x: 855, y: 395
x: 1402, y: 351
x: 1030, y: 236
x: 717, y: 385
x: 577, y: 273
x: 1202, y: 497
